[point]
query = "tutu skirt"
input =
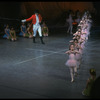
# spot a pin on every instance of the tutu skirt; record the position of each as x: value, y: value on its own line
x: 82, y: 45
x: 71, y: 63
x: 78, y: 56
x: 80, y: 50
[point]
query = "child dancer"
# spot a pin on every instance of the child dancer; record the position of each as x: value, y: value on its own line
x: 70, y: 21
x: 45, y: 29
x: 7, y: 32
x: 23, y: 30
x: 90, y: 82
x: 72, y: 62
x: 78, y: 56
x: 30, y: 34
x: 13, y: 34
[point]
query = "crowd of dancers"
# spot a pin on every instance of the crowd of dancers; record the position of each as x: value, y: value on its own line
x: 25, y: 31
x: 77, y: 44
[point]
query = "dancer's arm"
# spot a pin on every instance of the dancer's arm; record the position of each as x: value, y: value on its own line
x: 11, y: 35
x: 77, y: 51
x: 14, y: 34
x: 71, y: 41
x: 67, y: 52
x: 29, y: 19
x: 23, y: 20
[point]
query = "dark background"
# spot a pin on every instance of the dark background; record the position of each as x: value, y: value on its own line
x: 12, y: 13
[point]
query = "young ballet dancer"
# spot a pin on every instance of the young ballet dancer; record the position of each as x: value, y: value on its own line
x: 23, y: 30
x: 70, y: 27
x: 45, y: 30
x: 72, y: 62
x: 78, y: 56
x: 90, y: 81
x: 30, y: 34
x: 12, y: 34
x: 7, y: 32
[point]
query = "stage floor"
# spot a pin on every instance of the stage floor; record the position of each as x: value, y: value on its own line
x: 29, y: 70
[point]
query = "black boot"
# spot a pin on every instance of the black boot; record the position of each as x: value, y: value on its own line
x: 42, y: 40
x: 34, y: 39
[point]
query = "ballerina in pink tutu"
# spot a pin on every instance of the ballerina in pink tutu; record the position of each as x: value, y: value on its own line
x: 80, y: 41
x: 83, y: 40
x: 72, y: 62
x: 85, y: 31
x: 78, y: 55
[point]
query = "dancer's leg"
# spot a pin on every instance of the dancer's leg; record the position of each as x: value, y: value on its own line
x: 71, y: 73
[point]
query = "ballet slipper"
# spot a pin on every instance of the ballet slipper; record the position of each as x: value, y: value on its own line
x: 83, y: 93
x: 72, y: 80
x: 12, y: 39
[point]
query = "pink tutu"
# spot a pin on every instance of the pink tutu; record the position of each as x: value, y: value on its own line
x: 78, y: 56
x: 78, y: 63
x: 83, y: 36
x: 82, y: 45
x: 71, y: 62
x: 86, y: 37
x: 80, y: 50
x: 88, y: 33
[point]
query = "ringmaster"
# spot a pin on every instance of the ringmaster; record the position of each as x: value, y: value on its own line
x: 36, y: 19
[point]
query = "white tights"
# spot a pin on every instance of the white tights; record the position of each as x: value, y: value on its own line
x: 73, y: 70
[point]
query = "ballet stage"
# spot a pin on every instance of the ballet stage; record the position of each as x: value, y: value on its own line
x: 34, y: 70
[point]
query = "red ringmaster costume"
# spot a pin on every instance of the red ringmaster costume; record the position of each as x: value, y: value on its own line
x: 33, y: 19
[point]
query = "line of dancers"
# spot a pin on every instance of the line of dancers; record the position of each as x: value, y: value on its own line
x: 77, y: 44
